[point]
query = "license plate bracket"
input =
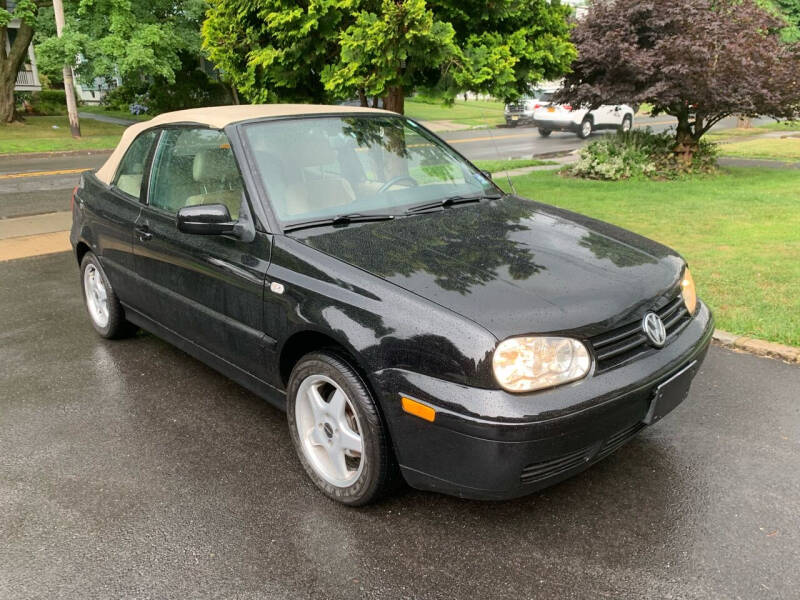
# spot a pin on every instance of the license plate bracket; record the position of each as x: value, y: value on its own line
x: 670, y: 393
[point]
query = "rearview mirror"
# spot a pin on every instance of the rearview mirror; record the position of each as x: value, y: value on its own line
x: 205, y: 219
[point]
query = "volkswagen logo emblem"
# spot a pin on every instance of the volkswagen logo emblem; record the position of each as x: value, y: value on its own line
x: 653, y: 328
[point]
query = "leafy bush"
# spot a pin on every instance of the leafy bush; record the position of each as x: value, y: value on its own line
x: 47, y: 103
x: 640, y: 153
x: 192, y: 88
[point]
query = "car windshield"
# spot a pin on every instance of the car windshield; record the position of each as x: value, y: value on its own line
x: 546, y: 97
x: 323, y: 167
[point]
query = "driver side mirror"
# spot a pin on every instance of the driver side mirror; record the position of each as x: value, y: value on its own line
x: 206, y: 219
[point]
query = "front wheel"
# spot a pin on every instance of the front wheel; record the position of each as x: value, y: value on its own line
x: 105, y: 311
x: 586, y: 129
x: 544, y: 132
x: 337, y: 430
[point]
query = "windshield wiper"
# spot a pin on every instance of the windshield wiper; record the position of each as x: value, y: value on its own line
x: 450, y: 201
x: 345, y: 219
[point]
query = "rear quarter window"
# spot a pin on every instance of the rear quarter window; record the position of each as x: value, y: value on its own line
x: 131, y: 168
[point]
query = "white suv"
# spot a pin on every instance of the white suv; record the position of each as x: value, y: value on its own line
x: 562, y: 117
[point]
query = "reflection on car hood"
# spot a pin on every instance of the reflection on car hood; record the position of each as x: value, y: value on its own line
x: 512, y: 265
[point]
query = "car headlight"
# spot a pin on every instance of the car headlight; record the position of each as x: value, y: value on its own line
x: 688, y: 291
x: 525, y: 364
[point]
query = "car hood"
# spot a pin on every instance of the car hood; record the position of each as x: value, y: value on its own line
x: 512, y: 265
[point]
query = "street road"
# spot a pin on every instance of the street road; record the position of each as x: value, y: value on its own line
x: 128, y: 469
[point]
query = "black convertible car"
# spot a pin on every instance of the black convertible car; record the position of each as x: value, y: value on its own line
x: 411, y: 318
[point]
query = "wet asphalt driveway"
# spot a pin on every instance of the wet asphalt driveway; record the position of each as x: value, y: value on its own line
x: 128, y: 469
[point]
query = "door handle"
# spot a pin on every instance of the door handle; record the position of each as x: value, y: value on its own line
x: 143, y: 233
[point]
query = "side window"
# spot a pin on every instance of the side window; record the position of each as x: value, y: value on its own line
x: 131, y: 168
x: 195, y: 166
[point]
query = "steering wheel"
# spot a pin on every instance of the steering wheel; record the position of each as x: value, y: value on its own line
x: 395, y: 181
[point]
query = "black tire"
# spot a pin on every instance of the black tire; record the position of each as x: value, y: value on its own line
x: 544, y: 132
x: 380, y: 473
x: 627, y: 123
x: 116, y: 326
x: 584, y: 131
x: 511, y: 123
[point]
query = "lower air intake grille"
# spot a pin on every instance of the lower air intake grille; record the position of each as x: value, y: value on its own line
x: 567, y: 462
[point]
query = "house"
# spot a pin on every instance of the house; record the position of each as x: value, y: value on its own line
x: 580, y: 6
x: 28, y: 75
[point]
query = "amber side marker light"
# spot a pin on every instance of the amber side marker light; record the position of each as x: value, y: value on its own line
x: 418, y: 409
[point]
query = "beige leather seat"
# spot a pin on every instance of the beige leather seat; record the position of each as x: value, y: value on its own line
x: 214, y: 169
x: 130, y: 183
x: 309, y: 191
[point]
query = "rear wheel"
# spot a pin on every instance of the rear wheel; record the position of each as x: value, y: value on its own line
x: 544, y: 132
x: 105, y: 311
x: 627, y: 123
x: 337, y: 430
x: 586, y: 129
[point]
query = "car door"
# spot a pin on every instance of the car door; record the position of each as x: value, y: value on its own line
x: 206, y: 288
x: 113, y: 213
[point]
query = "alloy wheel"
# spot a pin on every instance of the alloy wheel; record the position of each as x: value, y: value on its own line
x: 96, y: 296
x: 329, y: 431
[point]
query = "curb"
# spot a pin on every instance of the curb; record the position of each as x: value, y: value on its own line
x: 742, y: 343
x: 56, y: 153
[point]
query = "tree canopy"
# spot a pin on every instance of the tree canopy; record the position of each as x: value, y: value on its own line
x: 129, y: 38
x: 697, y: 60
x: 275, y: 50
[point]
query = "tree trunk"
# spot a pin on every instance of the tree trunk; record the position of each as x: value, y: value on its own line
x: 375, y: 101
x: 362, y: 98
x: 395, y: 99
x: 69, y: 89
x: 10, y: 63
x: 744, y: 122
x: 6, y: 99
x: 685, y: 143
x: 234, y: 94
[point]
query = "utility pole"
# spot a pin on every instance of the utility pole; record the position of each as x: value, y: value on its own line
x: 69, y: 87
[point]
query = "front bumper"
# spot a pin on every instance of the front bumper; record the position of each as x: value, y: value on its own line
x: 518, y: 118
x: 490, y: 444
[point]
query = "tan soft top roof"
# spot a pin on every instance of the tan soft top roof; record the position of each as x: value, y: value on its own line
x: 218, y: 117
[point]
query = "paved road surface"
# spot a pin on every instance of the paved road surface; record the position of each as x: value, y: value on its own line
x: 128, y: 469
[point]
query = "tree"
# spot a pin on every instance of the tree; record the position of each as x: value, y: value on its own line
x: 126, y: 38
x: 12, y: 59
x: 790, y: 11
x: 699, y: 61
x: 273, y: 50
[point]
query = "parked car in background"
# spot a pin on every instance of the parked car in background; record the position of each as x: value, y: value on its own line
x: 521, y: 111
x: 563, y: 117
x: 412, y: 319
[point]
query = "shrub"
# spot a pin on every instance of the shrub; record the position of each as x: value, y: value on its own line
x: 640, y: 153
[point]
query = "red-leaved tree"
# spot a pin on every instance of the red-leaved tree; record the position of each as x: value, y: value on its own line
x: 697, y: 60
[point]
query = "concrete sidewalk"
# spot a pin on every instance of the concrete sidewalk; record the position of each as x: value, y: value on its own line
x: 22, y: 237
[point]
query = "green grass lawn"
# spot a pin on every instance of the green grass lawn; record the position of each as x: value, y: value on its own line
x: 739, y: 231
x: 120, y: 114
x: 782, y: 126
x: 494, y: 166
x: 473, y: 112
x: 36, y: 134
x: 771, y: 148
